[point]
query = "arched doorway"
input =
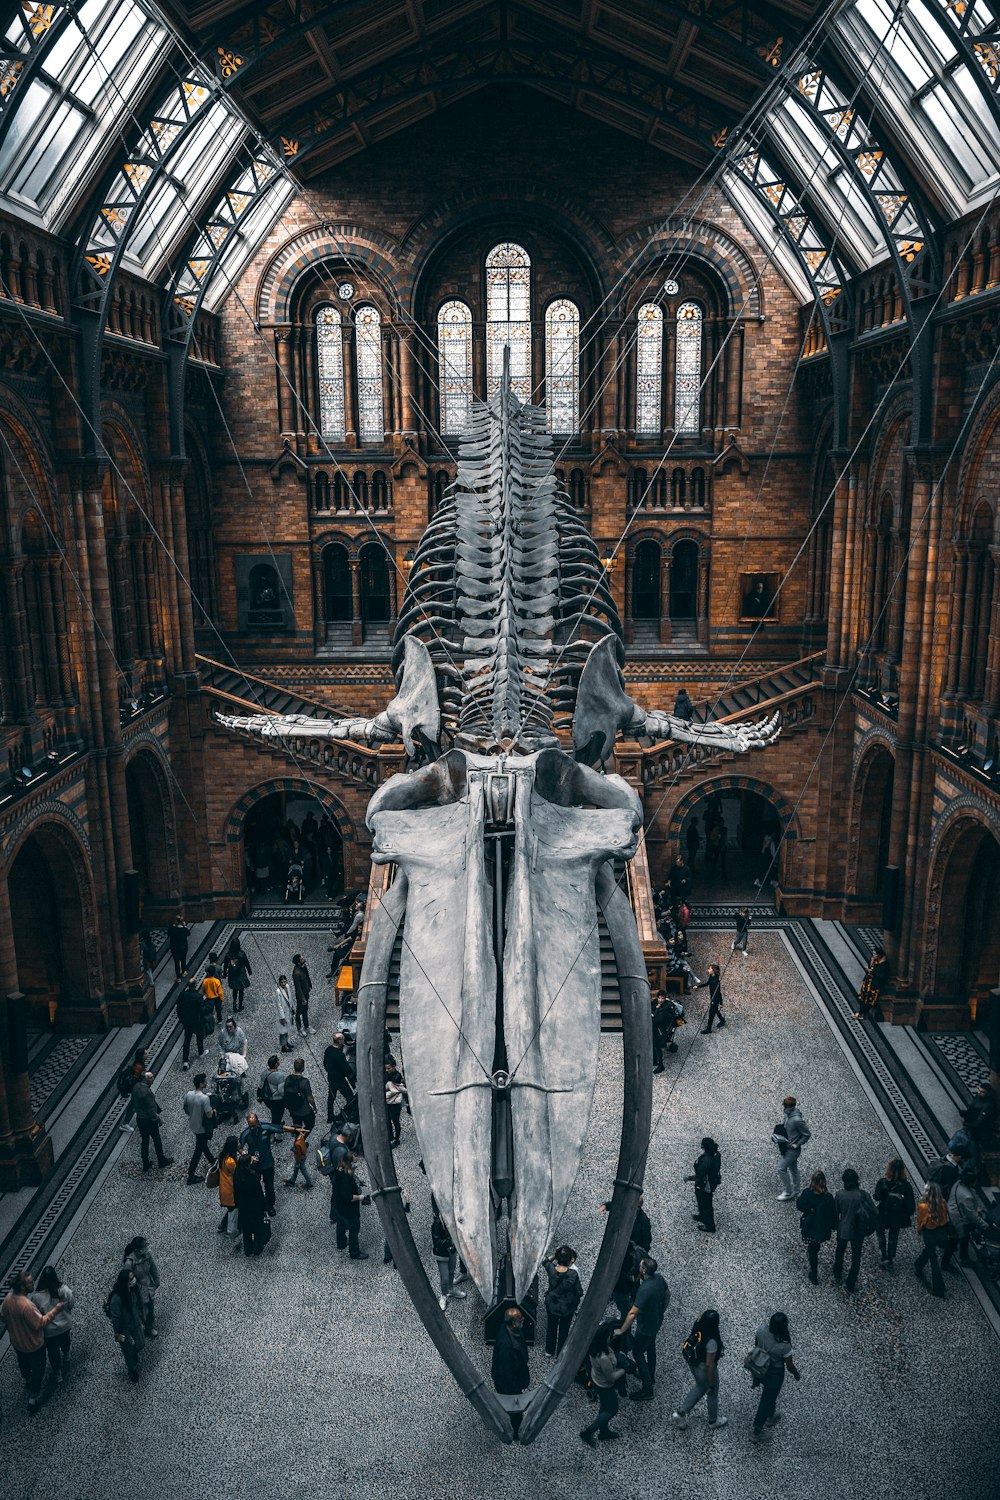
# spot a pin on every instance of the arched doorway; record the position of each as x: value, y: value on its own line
x: 874, y: 816
x: 968, y: 940
x: 147, y: 817
x: 723, y: 833
x: 376, y: 599
x: 646, y: 581
x: 292, y: 826
x: 49, y: 927
x: 684, y: 581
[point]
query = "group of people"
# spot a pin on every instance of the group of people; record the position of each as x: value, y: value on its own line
x: 292, y: 858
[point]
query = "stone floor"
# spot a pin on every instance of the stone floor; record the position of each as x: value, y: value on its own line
x: 303, y: 1374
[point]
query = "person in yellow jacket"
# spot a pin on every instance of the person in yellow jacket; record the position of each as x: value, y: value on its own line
x: 211, y: 987
x: 228, y: 1157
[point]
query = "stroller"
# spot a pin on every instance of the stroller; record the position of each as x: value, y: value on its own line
x: 986, y: 1238
x: 295, y: 885
x: 230, y: 1094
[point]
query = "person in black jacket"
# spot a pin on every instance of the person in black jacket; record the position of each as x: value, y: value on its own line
x: 564, y: 1295
x: 302, y: 983
x: 509, y: 1367
x: 236, y: 968
x: 706, y: 1178
x: 714, y: 982
x: 189, y: 1013
x: 178, y: 937
x: 340, y: 1076
x: 251, y: 1205
x: 819, y: 1219
x: 742, y: 938
x: 299, y: 1100
x: 896, y: 1207
x: 346, y: 1201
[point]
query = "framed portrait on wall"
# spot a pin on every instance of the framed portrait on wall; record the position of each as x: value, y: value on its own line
x: 759, y: 596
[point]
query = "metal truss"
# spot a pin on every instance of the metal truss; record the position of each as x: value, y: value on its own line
x: 41, y: 26
x: 973, y: 28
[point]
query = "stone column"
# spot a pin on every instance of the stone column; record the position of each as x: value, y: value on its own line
x: 22, y: 694
x: 959, y: 583
x: 702, y: 606
x: 991, y: 696
x: 665, y: 631
x: 357, y: 625
x: 285, y: 376
x: 848, y: 617
x: 350, y: 384
x: 834, y: 635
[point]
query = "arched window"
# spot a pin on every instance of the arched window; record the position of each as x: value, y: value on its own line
x: 376, y: 604
x: 455, y: 360
x: 508, y: 318
x: 337, y: 583
x: 646, y: 581
x: 562, y: 365
x: 684, y: 581
x: 687, y: 379
x: 368, y: 343
x: 330, y: 366
x: 648, y: 369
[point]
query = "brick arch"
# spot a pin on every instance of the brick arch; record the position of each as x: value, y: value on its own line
x: 63, y: 842
x: 116, y: 417
x: 980, y: 446
x: 144, y: 753
x: 378, y: 254
x: 896, y: 416
x: 697, y: 240
x: 784, y: 809
x: 238, y: 813
x: 875, y: 745
x: 33, y: 457
x: 965, y: 816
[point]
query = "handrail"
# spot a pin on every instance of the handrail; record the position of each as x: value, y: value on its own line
x: 752, y: 710
x: 263, y: 682
x: 749, y: 682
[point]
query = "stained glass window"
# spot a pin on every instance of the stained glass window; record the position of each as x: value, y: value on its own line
x: 562, y: 365
x: 455, y: 359
x: 508, y: 318
x: 330, y: 365
x: 371, y: 417
x: 687, y: 380
x: 648, y: 369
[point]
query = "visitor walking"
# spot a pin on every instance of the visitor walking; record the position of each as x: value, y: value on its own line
x: 300, y: 1160
x: 271, y: 1089
x: 562, y: 1298
x: 147, y: 1117
x: 124, y: 1309
x: 857, y: 1217
x: 211, y: 988
x: 819, y: 1219
x: 283, y: 1006
x: 236, y: 968
x: 645, y: 1317
x: 139, y: 1260
x: 714, y: 982
x: 702, y: 1350
x: 790, y: 1135
x: 198, y: 1108
x: 302, y: 985
x: 706, y: 1178
x: 932, y: 1226
x: 299, y: 1100
x: 178, y: 938
x: 128, y: 1076
x: 774, y: 1341
x: 963, y: 1218
x: 52, y: 1292
x: 443, y: 1248
x: 606, y: 1376
x: 189, y: 1013
x: 875, y: 979
x: 226, y: 1167
x: 395, y: 1098
x: 742, y: 938
x: 26, y: 1326
x: 251, y: 1207
x: 894, y: 1199
x: 232, y: 1038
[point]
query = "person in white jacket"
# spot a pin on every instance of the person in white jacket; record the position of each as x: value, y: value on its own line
x: 284, y: 1006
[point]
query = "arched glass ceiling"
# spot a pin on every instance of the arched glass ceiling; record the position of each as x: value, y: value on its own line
x: 68, y: 76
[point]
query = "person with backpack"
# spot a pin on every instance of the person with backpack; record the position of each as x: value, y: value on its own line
x: 189, y: 1013
x: 606, y: 1376
x: 236, y: 968
x: 896, y: 1205
x: 702, y: 1350
x: 124, y: 1309
x: 299, y: 1100
x: 198, y: 1108
x: 857, y: 1217
x: 819, y: 1220
x: 563, y: 1297
x: 790, y: 1135
x: 706, y: 1178
x: 139, y: 1260
x: 178, y: 938
x: 271, y: 1089
x: 767, y: 1362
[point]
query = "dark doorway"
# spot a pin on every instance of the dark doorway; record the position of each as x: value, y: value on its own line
x: 375, y: 595
x: 684, y: 581
x: 46, y: 909
x: 730, y: 861
x: 337, y: 583
x: 286, y: 829
x: 148, y: 830
x: 646, y: 581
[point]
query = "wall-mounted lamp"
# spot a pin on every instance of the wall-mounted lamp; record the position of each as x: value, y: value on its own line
x: 409, y: 559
